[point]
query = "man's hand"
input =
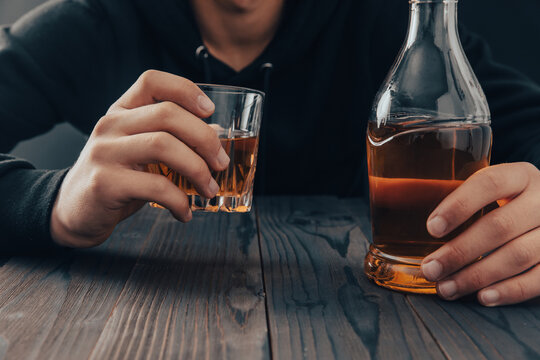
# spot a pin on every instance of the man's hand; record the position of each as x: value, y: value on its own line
x: 156, y: 120
x: 509, y: 235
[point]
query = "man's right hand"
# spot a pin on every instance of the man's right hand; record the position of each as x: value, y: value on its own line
x: 157, y: 120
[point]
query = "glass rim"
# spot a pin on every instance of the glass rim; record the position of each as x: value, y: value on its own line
x: 228, y: 89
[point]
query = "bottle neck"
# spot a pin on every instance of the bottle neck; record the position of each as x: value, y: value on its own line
x: 433, y: 20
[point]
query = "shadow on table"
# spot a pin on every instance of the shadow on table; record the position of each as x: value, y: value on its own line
x: 145, y: 272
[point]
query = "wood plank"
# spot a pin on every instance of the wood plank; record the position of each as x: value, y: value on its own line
x: 196, y: 293
x: 320, y: 305
x: 465, y: 329
x: 56, y: 307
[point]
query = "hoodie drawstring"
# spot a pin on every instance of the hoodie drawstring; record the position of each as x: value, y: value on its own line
x: 202, y: 53
x: 266, y: 69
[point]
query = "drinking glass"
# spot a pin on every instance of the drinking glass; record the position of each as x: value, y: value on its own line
x: 237, y: 121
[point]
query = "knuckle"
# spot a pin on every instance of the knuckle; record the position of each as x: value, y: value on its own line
x: 104, y: 124
x: 165, y: 109
x: 162, y: 185
x: 476, y: 280
x: 521, y: 290
x: 456, y: 255
x: 188, y: 85
x: 533, y: 175
x: 113, y: 108
x: 98, y: 151
x: 146, y: 78
x: 199, y: 171
x: 210, y: 138
x: 501, y: 224
x: 492, y: 182
x: 209, y: 133
x: 522, y: 256
x: 157, y: 142
x: 461, y: 206
x: 174, y: 197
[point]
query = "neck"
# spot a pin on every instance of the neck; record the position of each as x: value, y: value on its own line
x: 237, y: 32
x: 433, y: 19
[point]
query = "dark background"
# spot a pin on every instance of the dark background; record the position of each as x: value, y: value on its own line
x: 511, y: 28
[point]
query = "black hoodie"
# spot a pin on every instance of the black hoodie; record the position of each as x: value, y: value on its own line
x: 70, y: 60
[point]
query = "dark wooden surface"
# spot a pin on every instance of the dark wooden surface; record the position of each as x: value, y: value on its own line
x: 284, y: 282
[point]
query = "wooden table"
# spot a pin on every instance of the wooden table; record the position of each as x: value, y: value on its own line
x: 283, y: 282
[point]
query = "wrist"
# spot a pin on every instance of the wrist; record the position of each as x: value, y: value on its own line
x: 59, y: 231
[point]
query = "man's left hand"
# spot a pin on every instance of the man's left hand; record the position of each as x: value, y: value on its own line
x: 510, y: 235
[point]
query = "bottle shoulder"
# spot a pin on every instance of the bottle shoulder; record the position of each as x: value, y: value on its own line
x: 431, y: 80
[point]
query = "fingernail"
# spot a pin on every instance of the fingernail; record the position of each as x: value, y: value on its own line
x: 205, y: 103
x: 489, y: 297
x: 213, y: 187
x: 432, y: 270
x: 447, y: 289
x: 222, y: 158
x: 437, y: 226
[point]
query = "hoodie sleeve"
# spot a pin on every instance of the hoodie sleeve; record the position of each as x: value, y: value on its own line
x: 54, y: 66
x: 514, y: 101
x: 28, y: 196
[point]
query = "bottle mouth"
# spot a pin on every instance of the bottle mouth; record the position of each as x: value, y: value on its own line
x: 433, y: 1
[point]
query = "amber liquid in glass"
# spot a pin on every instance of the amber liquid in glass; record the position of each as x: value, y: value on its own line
x: 412, y: 167
x: 235, y: 182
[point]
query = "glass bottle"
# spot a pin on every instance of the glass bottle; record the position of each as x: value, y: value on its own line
x: 428, y: 131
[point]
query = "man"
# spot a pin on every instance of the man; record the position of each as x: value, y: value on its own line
x: 320, y: 64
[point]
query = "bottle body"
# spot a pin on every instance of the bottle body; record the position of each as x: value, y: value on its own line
x: 427, y: 133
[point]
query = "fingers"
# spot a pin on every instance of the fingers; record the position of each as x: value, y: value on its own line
x: 168, y: 117
x: 128, y: 185
x: 491, y: 231
x: 511, y: 233
x: 162, y: 147
x: 156, y: 86
x: 514, y: 290
x: 484, y: 187
x: 509, y: 260
x: 157, y: 188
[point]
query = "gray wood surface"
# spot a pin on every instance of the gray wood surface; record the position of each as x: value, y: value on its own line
x: 320, y: 304
x: 56, y: 308
x: 284, y: 282
x: 465, y: 329
x: 200, y: 290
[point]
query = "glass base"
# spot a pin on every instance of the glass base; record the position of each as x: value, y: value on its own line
x: 231, y: 204
x: 399, y: 273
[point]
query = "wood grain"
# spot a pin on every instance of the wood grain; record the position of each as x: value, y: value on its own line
x: 164, y: 290
x: 464, y: 329
x: 320, y: 306
x: 195, y: 293
x: 56, y: 307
